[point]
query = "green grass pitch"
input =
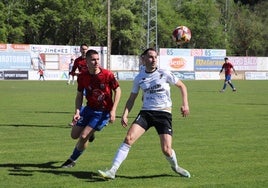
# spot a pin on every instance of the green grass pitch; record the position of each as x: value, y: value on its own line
x: 223, y: 143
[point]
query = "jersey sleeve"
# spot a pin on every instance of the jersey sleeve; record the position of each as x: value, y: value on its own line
x: 75, y: 65
x: 136, y: 86
x: 80, y: 83
x: 171, y: 78
x: 113, y: 82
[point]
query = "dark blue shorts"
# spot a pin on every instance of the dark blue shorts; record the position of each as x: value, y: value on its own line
x: 95, y: 119
x: 227, y: 77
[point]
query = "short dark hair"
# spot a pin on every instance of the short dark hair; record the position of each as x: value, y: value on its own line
x: 91, y: 52
x: 83, y: 44
x: 147, y: 50
x: 226, y: 58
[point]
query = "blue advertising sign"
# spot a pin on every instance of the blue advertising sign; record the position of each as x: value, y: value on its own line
x: 15, y: 60
x: 206, y: 63
x: 183, y: 75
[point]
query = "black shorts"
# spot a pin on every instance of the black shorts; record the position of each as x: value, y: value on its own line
x: 158, y: 119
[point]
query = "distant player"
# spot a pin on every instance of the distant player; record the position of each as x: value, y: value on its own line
x: 80, y: 62
x: 41, y: 74
x: 228, y: 67
x: 71, y: 75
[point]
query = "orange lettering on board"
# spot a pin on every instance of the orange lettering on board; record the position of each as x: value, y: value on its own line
x: 3, y: 46
x: 177, y: 62
x: 20, y: 46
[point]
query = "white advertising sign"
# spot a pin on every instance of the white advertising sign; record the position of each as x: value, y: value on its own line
x: 49, y: 75
x: 256, y: 75
x: 177, y: 63
x: 124, y: 62
x: 207, y: 76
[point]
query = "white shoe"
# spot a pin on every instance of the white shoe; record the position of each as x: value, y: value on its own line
x: 181, y: 171
x: 106, y: 174
x: 68, y: 164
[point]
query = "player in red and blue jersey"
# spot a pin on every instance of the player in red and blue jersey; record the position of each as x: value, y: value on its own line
x: 228, y: 67
x: 103, y: 94
x: 80, y: 62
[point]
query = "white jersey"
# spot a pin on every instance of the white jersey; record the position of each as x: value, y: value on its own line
x: 156, y: 89
x: 71, y: 66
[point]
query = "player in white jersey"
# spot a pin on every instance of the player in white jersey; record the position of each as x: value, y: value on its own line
x: 155, y: 112
x: 71, y: 76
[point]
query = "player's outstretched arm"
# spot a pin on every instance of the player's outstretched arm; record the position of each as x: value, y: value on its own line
x: 78, y: 105
x: 117, y: 96
x: 234, y: 71
x: 184, y: 94
x: 128, y: 107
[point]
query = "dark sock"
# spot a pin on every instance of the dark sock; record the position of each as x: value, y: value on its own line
x: 76, y: 154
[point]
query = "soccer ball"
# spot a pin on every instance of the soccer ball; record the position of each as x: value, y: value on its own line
x: 181, y: 34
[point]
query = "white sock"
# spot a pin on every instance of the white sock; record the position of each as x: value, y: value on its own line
x: 173, y: 159
x: 120, y: 156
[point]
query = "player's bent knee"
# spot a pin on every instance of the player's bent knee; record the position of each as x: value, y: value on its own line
x: 167, y: 151
x: 84, y: 136
x: 129, y: 140
x: 74, y: 136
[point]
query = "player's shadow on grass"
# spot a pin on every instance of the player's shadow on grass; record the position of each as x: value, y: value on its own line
x: 17, y: 169
x: 19, y: 166
x: 145, y: 177
x: 51, y: 112
x: 35, y: 125
x: 253, y: 104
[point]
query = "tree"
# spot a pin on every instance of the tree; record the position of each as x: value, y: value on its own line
x: 239, y: 26
x: 13, y: 18
x: 3, y: 28
x: 126, y: 27
x: 247, y: 32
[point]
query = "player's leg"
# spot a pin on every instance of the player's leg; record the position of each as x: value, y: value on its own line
x: 170, y: 154
x: 72, y: 79
x: 163, y: 126
x: 81, y: 145
x: 69, y: 78
x: 224, y: 84
x: 231, y: 85
x: 134, y: 133
x: 81, y: 131
x: 70, y: 162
